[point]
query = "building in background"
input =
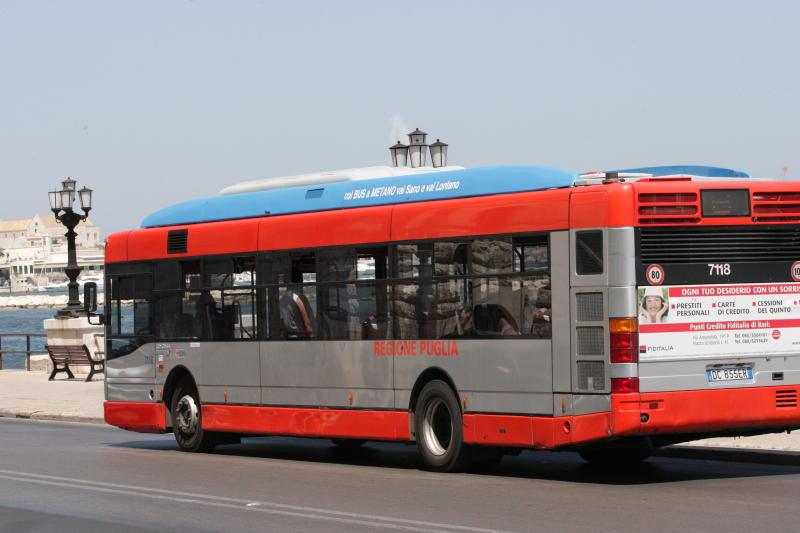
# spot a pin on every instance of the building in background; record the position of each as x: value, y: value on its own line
x: 33, y: 253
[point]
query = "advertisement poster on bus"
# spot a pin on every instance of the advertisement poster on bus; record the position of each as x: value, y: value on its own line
x: 718, y: 320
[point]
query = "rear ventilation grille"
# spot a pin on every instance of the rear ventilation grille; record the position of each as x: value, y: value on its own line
x: 177, y: 241
x: 776, y: 207
x: 590, y: 306
x: 591, y: 375
x: 590, y: 340
x: 786, y: 399
x: 668, y: 208
x: 719, y: 244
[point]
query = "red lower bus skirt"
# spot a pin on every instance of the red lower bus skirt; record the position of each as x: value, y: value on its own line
x: 666, y: 412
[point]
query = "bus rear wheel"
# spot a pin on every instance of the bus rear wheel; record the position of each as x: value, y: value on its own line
x: 439, y: 431
x: 187, y: 419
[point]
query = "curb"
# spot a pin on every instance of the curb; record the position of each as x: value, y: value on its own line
x: 738, y: 455
x: 50, y: 416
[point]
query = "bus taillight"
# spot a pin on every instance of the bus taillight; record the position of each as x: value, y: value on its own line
x: 624, y: 384
x: 624, y: 334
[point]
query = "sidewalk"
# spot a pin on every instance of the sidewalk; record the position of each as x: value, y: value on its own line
x: 30, y: 395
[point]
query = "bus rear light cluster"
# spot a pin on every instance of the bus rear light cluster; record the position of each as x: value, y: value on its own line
x: 622, y: 385
x: 624, y: 336
x: 668, y: 208
x: 776, y: 207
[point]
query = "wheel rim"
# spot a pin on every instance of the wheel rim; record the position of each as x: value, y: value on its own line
x: 437, y: 427
x: 188, y: 415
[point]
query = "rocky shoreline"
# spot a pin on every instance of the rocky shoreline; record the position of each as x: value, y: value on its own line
x: 36, y: 301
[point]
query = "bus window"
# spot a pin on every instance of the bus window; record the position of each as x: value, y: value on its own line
x: 238, y: 314
x: 179, y: 315
x: 450, y: 258
x: 297, y: 312
x: 415, y: 312
x: 497, y: 306
x: 589, y: 252
x: 492, y: 256
x: 228, y: 271
x: 130, y: 306
x: 218, y: 272
x: 190, y: 274
x: 338, y: 264
x: 453, y: 315
x: 354, y: 312
x: 297, y: 300
x: 531, y: 254
x: 414, y: 260
x: 274, y: 268
x: 167, y: 275
x: 536, y: 307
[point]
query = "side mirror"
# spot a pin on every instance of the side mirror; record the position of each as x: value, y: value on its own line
x: 90, y: 303
x: 90, y: 297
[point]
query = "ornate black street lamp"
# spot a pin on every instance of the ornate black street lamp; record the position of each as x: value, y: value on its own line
x: 61, y: 205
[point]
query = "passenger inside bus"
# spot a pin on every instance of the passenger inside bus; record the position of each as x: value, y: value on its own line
x: 297, y: 317
x: 491, y: 320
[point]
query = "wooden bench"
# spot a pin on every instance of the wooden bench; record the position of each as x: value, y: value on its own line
x: 75, y: 354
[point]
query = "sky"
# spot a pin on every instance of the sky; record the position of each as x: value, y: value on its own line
x: 150, y: 103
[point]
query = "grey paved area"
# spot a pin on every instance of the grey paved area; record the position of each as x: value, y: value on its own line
x: 60, y: 477
x: 30, y: 395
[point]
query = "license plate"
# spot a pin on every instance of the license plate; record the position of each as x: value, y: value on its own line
x: 734, y: 373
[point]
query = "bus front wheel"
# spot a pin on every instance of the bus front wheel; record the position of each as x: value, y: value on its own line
x: 438, y: 427
x: 187, y: 419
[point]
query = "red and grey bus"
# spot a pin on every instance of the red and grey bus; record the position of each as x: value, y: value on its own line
x: 475, y: 312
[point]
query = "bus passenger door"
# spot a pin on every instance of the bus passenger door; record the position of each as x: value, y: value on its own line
x: 130, y: 351
x: 230, y: 351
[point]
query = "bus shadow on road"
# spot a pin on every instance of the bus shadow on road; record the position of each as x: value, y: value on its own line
x: 668, y: 467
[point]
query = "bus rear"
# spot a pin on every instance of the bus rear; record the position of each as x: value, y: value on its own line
x: 702, y: 293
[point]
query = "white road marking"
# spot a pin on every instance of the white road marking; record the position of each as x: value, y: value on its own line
x: 314, y: 513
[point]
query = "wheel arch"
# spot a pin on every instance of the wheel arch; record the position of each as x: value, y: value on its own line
x: 175, y: 376
x: 428, y: 375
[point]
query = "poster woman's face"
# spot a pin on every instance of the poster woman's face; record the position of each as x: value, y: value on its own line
x: 653, y: 304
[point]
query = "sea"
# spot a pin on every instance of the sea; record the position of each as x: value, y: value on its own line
x: 22, y: 321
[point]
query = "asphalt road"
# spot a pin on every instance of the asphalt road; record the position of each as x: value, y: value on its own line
x: 86, y: 478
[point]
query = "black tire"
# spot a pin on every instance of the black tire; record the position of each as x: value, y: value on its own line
x: 624, y: 453
x: 349, y: 444
x: 439, y: 430
x: 187, y: 418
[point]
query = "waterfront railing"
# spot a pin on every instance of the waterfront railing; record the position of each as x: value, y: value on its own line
x: 27, y: 351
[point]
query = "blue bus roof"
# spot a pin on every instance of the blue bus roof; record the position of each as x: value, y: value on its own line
x: 366, y: 192
x: 692, y: 170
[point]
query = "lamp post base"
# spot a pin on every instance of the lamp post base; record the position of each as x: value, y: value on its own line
x: 70, y: 312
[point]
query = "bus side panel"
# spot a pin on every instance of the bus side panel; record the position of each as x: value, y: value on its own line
x: 117, y: 247
x: 559, y: 270
x: 501, y: 214
x: 332, y: 228
x: 491, y: 376
x: 134, y: 367
x: 231, y: 372
x: 214, y: 238
x: 326, y: 374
